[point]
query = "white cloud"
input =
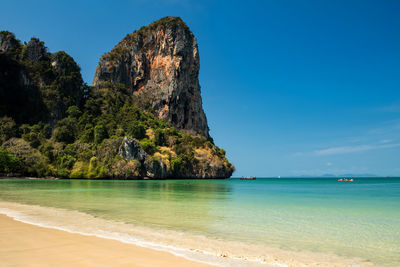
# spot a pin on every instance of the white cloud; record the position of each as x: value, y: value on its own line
x: 390, y: 127
x: 330, y: 170
x: 351, y: 149
x: 384, y: 137
x: 390, y: 108
x: 299, y: 154
x: 385, y: 141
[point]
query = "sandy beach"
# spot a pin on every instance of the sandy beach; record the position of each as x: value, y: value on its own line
x: 23, y: 244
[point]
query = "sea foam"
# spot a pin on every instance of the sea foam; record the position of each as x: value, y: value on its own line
x: 196, y: 248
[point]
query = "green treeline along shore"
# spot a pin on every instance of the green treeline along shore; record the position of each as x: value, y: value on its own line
x: 52, y: 124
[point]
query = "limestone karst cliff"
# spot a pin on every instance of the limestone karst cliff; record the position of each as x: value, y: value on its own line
x: 143, y: 118
x: 159, y: 65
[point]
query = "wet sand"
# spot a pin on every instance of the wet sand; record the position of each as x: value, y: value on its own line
x: 24, y: 244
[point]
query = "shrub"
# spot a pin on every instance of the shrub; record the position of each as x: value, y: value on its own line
x: 8, y: 129
x: 100, y: 133
x: 92, y: 107
x: 148, y: 146
x: 66, y: 130
x: 79, y: 170
x: 47, y: 151
x: 172, y: 131
x: 63, y: 134
x: 33, y: 138
x: 74, y: 112
x: 8, y: 161
x: 93, y: 170
x: 31, y: 159
x: 160, y: 138
x: 136, y: 130
x: 87, y: 136
x: 65, y: 162
x: 176, y: 165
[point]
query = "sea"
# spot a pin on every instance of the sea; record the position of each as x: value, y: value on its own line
x: 233, y: 222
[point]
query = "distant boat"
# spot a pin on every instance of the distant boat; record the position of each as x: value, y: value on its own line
x: 248, y: 178
x: 346, y: 180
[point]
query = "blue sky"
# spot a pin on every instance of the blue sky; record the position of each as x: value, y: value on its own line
x: 289, y: 87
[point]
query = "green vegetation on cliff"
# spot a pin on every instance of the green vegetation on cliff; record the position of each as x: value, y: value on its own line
x: 52, y: 124
x: 34, y: 84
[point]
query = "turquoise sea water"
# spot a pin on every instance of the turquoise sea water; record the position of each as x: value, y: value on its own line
x: 311, y: 217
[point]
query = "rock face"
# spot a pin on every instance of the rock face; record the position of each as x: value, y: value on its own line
x: 130, y: 149
x: 19, y: 96
x: 35, y: 50
x: 36, y: 85
x: 159, y: 64
x: 155, y: 168
x: 8, y: 42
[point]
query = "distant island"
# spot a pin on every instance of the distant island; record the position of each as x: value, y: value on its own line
x: 141, y: 118
x: 330, y: 175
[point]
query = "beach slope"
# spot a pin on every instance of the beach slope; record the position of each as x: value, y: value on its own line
x: 24, y: 244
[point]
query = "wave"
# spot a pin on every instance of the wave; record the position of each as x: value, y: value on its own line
x: 190, y: 246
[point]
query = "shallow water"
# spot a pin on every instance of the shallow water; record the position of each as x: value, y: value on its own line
x: 267, y: 220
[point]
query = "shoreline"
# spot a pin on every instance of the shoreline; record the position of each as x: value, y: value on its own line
x: 191, y: 249
x: 107, y: 179
x: 30, y: 245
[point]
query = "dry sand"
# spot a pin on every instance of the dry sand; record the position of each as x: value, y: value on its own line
x: 29, y: 245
